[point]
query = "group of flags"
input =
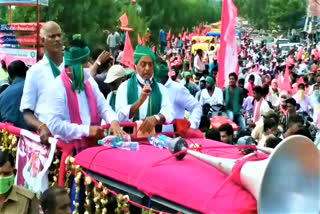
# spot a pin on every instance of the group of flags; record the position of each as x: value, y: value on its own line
x: 228, y: 55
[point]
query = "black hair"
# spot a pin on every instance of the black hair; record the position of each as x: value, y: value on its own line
x: 213, y: 134
x: 6, y: 156
x: 241, y: 81
x: 234, y: 75
x: 269, y: 123
x: 251, y: 77
x: 265, y: 90
x: 226, y: 128
x: 304, y: 132
x: 48, y: 199
x: 258, y: 90
x: 17, y: 69
x: 272, y: 142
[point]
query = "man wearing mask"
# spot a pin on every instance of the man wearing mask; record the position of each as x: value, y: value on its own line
x: 14, y: 199
x: 76, y: 103
x: 141, y: 97
x: 38, y: 79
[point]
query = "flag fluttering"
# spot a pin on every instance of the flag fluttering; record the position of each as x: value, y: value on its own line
x: 139, y: 39
x: 228, y: 56
x: 127, y: 58
x: 124, y: 20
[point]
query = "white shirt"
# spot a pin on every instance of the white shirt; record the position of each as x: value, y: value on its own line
x: 59, y: 118
x: 182, y: 100
x: 263, y: 109
x: 123, y: 108
x: 35, y: 92
x: 215, y: 99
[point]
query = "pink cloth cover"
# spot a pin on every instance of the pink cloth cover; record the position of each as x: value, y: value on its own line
x: 190, y: 182
x: 75, y: 117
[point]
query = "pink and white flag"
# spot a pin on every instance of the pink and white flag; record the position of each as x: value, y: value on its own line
x: 228, y: 55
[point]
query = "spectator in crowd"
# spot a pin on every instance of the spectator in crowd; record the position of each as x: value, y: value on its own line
x: 10, y: 99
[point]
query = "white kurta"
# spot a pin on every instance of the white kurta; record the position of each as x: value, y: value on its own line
x: 263, y: 109
x: 35, y: 92
x: 59, y: 118
x: 182, y: 100
x: 215, y: 99
x: 123, y: 109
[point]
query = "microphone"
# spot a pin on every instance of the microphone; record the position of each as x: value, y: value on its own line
x: 147, y: 82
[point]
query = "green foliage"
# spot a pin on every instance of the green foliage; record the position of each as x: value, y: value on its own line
x: 91, y: 18
x: 4, y: 14
x: 272, y: 14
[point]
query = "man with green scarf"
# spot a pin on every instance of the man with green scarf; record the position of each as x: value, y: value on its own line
x: 14, y: 199
x: 39, y: 77
x: 76, y: 103
x: 142, y: 98
x: 233, y: 98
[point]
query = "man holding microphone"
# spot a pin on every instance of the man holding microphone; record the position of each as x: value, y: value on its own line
x: 142, y: 98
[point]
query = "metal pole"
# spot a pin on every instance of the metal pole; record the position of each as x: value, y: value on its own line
x: 10, y: 14
x: 38, y: 31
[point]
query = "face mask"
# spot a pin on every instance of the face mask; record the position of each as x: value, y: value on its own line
x: 6, y: 183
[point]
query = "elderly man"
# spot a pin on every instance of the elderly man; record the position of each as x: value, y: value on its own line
x: 76, y: 104
x: 180, y: 97
x: 34, y: 101
x: 211, y: 94
x: 14, y: 199
x: 142, y: 98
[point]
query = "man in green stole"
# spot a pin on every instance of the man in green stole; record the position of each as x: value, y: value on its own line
x: 233, y: 97
x: 39, y: 78
x: 142, y: 98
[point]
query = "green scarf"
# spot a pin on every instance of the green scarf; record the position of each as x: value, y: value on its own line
x: 75, y: 57
x: 112, y: 101
x: 236, y: 98
x: 155, y: 99
x: 55, y: 70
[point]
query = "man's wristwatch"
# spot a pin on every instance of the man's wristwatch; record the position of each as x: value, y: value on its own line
x: 98, y: 63
x: 157, y: 118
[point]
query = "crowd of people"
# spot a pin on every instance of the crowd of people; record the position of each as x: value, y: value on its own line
x: 70, y: 93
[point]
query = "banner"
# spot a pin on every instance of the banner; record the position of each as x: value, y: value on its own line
x: 25, y: 2
x: 33, y: 162
x: 28, y: 56
x: 228, y: 56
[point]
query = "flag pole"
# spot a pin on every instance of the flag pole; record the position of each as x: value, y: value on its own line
x: 38, y: 31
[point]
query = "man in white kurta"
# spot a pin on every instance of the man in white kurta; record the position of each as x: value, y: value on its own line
x: 147, y: 106
x: 59, y: 117
x: 260, y: 106
x: 180, y: 97
x: 34, y: 101
x: 211, y: 95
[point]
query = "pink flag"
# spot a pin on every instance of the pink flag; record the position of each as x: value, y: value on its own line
x: 171, y: 72
x: 134, y: 1
x: 299, y: 57
x: 127, y: 57
x: 228, y: 56
x: 285, y: 84
x: 124, y: 20
x: 143, y: 41
x: 169, y: 35
x: 295, y: 89
x: 139, y: 40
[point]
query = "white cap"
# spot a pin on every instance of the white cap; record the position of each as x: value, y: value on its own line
x: 114, y: 73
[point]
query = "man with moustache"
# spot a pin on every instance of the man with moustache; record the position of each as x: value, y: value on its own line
x: 39, y: 77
